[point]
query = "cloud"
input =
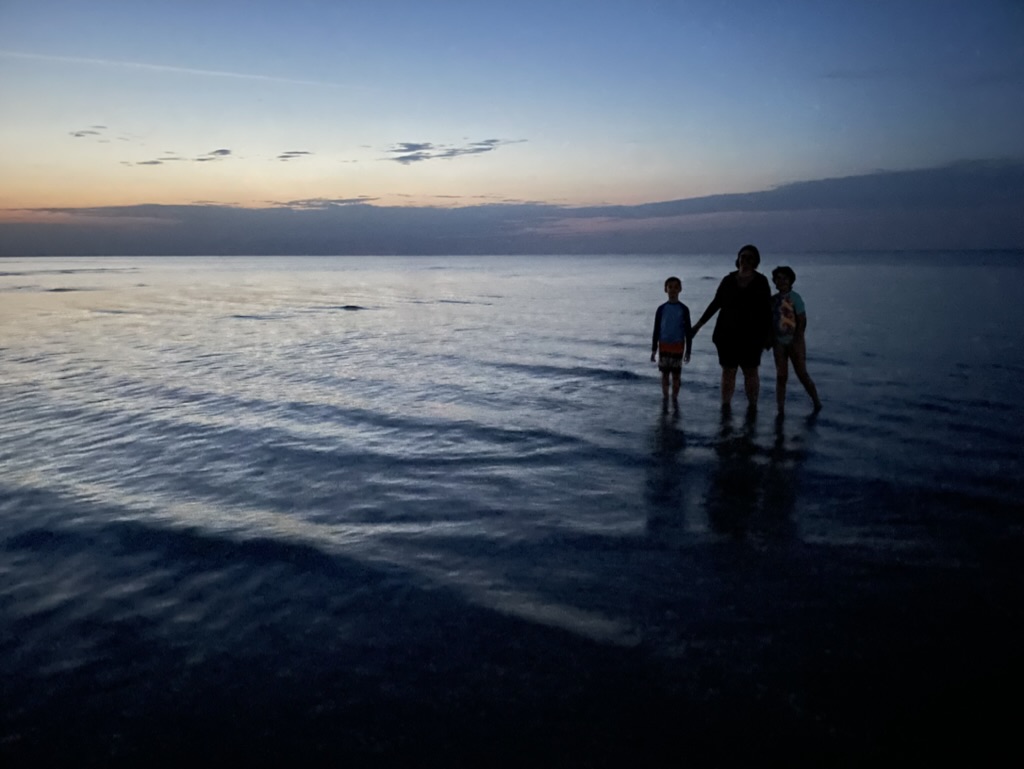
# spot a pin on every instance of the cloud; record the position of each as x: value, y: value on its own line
x: 958, y: 185
x: 212, y: 156
x: 99, y: 132
x: 413, y: 147
x: 322, y: 203
x: 407, y: 153
x: 172, y: 157
x: 163, y: 68
x: 970, y: 205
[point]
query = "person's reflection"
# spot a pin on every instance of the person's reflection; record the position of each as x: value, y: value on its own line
x: 732, y: 497
x: 752, y: 490
x: 780, y: 487
x: 665, y: 488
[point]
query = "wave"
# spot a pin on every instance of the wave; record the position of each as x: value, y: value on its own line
x: 568, y: 372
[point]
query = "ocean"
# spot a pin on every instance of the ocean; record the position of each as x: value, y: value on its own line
x: 433, y: 511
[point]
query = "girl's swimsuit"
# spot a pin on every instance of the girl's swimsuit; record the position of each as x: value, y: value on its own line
x: 785, y: 308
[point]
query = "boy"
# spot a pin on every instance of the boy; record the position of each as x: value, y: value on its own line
x: 672, y: 337
x: 789, y: 322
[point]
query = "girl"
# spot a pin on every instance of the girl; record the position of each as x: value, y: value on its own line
x: 789, y: 322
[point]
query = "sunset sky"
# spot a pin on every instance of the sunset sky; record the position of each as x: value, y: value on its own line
x: 311, y: 107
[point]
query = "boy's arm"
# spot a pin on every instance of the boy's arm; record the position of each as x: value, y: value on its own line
x: 657, y: 333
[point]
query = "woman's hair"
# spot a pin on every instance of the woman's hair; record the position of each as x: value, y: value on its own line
x: 752, y: 250
x: 784, y: 270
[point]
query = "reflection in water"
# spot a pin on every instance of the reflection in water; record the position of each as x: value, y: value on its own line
x: 752, y: 490
x: 666, y: 491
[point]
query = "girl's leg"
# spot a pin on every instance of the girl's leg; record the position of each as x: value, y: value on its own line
x: 664, y: 384
x: 781, y: 375
x: 676, y: 381
x: 799, y: 357
x: 751, y: 385
x: 728, y: 385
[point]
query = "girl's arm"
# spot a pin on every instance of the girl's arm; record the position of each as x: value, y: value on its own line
x: 801, y: 325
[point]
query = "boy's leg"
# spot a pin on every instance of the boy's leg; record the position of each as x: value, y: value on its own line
x: 799, y: 355
x: 781, y: 375
x: 664, y: 383
x: 676, y: 377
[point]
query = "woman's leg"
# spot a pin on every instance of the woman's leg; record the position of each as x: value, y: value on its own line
x: 728, y: 384
x: 751, y: 385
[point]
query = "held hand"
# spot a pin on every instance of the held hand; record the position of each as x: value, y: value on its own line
x: 686, y: 358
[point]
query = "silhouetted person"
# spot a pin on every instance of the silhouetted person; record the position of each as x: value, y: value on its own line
x: 672, y: 338
x: 743, y: 329
x: 789, y: 322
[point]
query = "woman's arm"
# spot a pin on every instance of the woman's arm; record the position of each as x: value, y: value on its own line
x: 688, y: 333
x: 765, y: 312
x: 715, y: 306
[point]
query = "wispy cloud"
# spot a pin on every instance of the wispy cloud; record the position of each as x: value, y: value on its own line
x: 165, y: 68
x: 173, y: 157
x: 212, y: 156
x: 407, y: 153
x: 324, y: 203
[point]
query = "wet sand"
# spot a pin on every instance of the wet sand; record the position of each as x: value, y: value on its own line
x: 790, y: 656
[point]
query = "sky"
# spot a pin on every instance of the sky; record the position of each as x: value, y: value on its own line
x: 393, y: 126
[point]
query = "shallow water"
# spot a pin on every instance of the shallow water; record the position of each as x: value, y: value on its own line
x: 197, y: 450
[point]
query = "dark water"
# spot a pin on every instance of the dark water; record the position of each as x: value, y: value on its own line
x: 432, y: 512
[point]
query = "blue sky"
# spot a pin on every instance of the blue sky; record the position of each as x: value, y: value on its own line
x: 541, y: 107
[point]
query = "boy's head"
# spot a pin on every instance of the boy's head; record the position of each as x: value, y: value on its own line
x: 673, y: 286
x: 784, y: 272
x: 749, y: 254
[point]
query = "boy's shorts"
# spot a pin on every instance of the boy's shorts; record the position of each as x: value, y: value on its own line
x: 670, y: 356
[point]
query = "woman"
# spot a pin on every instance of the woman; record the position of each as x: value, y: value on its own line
x: 744, y: 326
